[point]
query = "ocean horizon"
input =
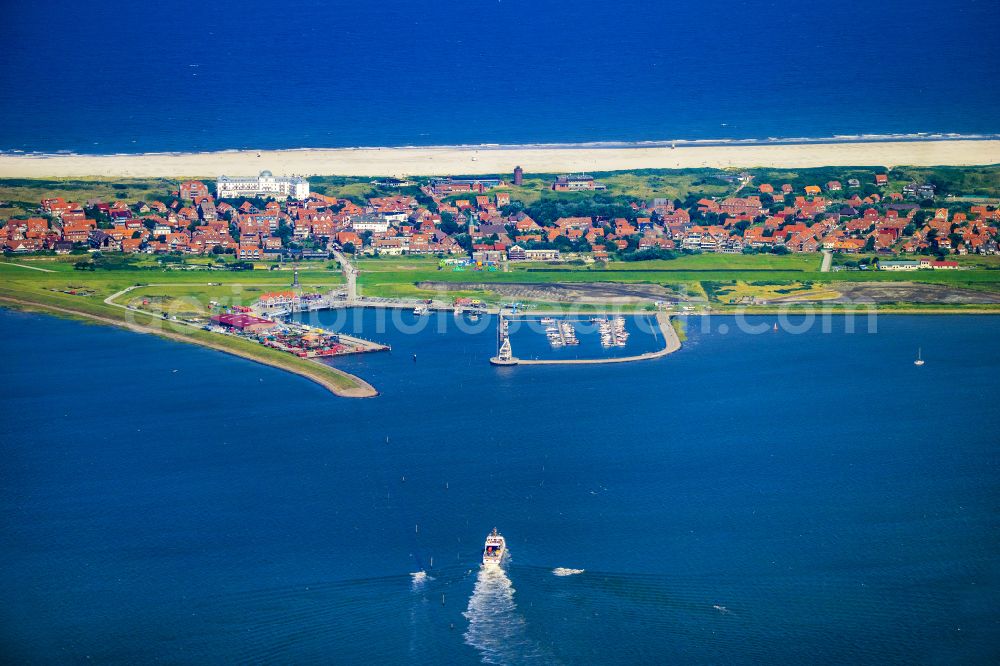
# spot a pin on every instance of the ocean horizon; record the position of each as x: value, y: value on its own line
x: 126, y: 78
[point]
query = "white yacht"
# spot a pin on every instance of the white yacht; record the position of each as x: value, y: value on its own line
x: 495, y: 549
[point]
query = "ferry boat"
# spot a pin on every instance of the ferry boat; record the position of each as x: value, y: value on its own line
x: 495, y: 549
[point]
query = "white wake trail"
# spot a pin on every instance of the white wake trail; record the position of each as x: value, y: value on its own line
x: 563, y: 571
x: 496, y: 629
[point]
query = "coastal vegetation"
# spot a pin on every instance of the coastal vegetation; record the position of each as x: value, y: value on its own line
x: 53, y: 287
x: 717, y: 280
x: 20, y: 195
x: 680, y: 327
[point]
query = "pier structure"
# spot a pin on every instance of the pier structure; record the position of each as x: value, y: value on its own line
x: 671, y: 344
x: 505, y: 355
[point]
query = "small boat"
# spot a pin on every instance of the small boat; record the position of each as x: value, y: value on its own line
x: 495, y: 549
x: 775, y: 329
x: 919, y: 360
x: 421, y: 310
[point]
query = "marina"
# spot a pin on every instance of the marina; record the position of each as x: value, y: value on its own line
x: 613, y: 332
x: 562, y: 332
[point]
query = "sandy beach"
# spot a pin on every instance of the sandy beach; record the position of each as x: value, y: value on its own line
x: 451, y: 160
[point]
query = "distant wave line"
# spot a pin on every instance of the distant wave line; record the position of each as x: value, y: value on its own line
x: 652, y: 143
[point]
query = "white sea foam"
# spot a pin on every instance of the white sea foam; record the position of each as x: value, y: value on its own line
x: 563, y: 571
x: 496, y: 629
x: 419, y: 578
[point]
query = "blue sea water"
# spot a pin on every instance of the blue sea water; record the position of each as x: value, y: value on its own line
x: 123, y: 76
x: 778, y: 497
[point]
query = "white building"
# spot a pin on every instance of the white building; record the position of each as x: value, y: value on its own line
x: 541, y: 255
x: 367, y: 222
x: 264, y: 185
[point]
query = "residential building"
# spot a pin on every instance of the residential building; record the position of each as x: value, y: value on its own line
x: 445, y: 186
x: 578, y: 183
x: 190, y: 189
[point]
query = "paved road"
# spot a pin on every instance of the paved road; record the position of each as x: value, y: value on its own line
x: 350, y: 274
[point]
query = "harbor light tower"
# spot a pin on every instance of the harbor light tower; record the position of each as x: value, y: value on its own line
x: 505, y: 355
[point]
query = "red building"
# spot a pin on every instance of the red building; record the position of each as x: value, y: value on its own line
x: 244, y: 322
x: 193, y: 188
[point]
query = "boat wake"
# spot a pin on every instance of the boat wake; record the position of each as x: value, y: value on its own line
x: 419, y: 578
x: 496, y: 629
x: 563, y: 571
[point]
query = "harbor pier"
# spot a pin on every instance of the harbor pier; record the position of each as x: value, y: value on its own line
x: 505, y: 355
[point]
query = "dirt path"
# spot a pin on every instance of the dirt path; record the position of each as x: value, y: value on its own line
x: 34, y: 268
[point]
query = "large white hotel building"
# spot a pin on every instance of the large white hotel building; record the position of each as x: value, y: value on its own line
x: 264, y: 185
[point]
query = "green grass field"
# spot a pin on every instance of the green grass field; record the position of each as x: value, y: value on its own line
x: 761, y: 276
x: 691, y: 268
x: 43, y: 290
x: 398, y: 277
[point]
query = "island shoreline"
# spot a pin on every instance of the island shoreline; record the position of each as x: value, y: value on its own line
x: 499, y: 159
x: 362, y: 388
